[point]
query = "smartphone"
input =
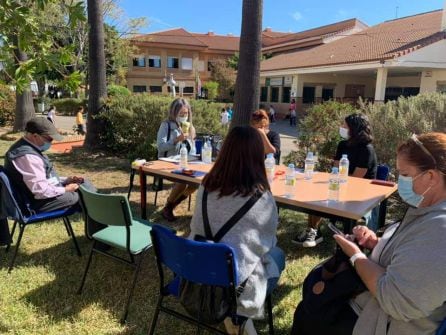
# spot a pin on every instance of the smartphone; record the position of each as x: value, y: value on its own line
x: 335, y: 229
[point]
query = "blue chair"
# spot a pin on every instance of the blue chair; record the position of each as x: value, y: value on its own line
x: 442, y: 329
x: 20, y: 211
x: 122, y: 232
x: 382, y: 172
x: 199, y: 262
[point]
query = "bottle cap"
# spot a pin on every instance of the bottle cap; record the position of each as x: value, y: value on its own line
x: 310, y: 154
x: 270, y: 156
x: 334, y: 169
x: 344, y: 156
x: 291, y: 166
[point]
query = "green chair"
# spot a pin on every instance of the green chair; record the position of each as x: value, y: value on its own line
x: 122, y: 232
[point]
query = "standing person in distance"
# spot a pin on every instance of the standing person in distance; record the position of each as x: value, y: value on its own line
x: 51, y: 115
x: 293, y: 115
x: 357, y: 145
x: 80, y: 123
x: 224, y: 118
x: 169, y: 139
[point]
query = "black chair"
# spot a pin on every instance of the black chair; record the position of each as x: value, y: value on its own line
x: 199, y: 262
x: 23, y: 215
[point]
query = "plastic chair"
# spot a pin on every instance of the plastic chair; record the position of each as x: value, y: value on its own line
x: 382, y: 172
x: 20, y: 211
x: 442, y: 329
x: 200, y: 262
x: 122, y: 232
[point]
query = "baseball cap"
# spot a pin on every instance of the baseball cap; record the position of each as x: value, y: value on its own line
x: 42, y: 126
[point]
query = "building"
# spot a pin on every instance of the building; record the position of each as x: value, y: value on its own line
x: 400, y: 57
x: 188, y: 56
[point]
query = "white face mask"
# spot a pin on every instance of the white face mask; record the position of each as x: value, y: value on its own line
x: 344, y: 133
x: 181, y: 119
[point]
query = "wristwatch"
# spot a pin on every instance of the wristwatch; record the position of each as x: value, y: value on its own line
x: 358, y: 255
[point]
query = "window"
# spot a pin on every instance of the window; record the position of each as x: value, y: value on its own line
x: 155, y: 61
x: 286, y: 94
x: 172, y: 62
x: 188, y: 89
x: 155, y: 89
x: 177, y: 89
x: 441, y: 88
x: 308, y: 95
x: 210, y: 66
x: 264, y: 93
x: 393, y: 93
x: 139, y: 62
x: 327, y: 94
x: 274, y: 94
x: 139, y: 88
x: 186, y: 63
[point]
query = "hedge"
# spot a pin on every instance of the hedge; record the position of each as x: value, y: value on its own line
x: 7, y: 105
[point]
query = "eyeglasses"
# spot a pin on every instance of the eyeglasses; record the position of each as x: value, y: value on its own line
x: 422, y: 147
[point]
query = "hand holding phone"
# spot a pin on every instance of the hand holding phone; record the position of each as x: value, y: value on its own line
x: 335, y: 229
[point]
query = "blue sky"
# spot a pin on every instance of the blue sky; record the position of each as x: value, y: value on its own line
x: 224, y: 16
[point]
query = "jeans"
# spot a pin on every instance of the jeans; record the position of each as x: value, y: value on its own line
x: 278, y: 256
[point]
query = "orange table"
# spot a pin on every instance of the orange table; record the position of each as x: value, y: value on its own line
x: 357, y: 197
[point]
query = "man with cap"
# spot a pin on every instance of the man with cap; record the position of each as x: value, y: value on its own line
x: 32, y: 173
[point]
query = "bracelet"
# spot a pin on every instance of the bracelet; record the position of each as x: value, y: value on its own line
x: 358, y: 255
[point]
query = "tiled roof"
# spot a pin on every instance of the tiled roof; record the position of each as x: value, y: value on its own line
x: 219, y: 42
x: 383, y: 41
x: 172, y: 36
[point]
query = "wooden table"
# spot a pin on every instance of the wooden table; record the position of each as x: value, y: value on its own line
x: 357, y: 197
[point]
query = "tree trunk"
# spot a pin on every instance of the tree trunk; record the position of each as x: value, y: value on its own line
x: 96, y: 74
x: 247, y: 85
x: 24, y: 109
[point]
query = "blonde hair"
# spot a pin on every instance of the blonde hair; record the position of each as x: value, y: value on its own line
x: 175, y: 107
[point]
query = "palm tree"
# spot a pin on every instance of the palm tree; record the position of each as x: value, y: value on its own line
x: 96, y: 73
x: 247, y: 85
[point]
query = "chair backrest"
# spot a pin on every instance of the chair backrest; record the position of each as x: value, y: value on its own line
x: 200, y: 262
x: 9, y: 202
x: 442, y: 329
x: 108, y: 209
x: 382, y: 172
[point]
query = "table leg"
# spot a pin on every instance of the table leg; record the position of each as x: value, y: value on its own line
x: 143, y: 192
x: 382, y: 213
x: 132, y: 178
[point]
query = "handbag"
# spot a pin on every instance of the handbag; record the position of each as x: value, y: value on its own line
x: 210, y: 303
x: 326, y: 291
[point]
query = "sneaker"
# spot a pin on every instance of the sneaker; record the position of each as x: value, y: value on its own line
x: 313, y: 238
x: 300, y: 238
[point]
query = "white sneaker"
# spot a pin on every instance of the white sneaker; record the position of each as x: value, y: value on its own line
x: 313, y: 238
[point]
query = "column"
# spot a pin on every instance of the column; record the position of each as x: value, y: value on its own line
x: 297, y: 90
x: 318, y: 94
x: 381, y: 81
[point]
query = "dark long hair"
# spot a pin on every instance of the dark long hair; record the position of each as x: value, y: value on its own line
x: 239, y: 169
x: 359, y: 129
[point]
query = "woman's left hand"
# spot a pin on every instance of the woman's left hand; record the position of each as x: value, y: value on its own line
x: 348, y: 247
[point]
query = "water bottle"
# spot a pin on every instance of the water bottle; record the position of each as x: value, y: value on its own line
x: 290, y: 181
x: 183, y: 156
x: 333, y: 185
x: 343, y: 169
x: 206, y: 153
x: 270, y: 165
x: 309, y: 166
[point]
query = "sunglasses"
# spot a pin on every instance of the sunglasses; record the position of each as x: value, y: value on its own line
x: 46, y: 138
x: 422, y: 147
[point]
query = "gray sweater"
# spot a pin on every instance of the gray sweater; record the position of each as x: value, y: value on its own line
x: 411, y: 294
x: 164, y: 145
x: 251, y: 238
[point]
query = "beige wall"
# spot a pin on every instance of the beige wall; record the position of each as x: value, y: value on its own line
x: 429, y: 80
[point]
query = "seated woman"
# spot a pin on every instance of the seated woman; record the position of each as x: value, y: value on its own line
x: 405, y: 271
x: 270, y: 139
x: 237, y: 174
x: 174, y: 131
x: 357, y: 145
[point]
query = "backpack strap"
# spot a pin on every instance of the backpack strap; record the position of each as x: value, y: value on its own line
x: 232, y: 221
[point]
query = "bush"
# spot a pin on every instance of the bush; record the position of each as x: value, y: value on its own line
x: 319, y: 132
x: 132, y: 122
x: 67, y: 106
x: 391, y: 123
x: 115, y: 90
x: 212, y: 89
x: 7, y: 105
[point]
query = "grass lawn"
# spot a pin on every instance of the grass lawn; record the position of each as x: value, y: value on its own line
x: 39, y: 296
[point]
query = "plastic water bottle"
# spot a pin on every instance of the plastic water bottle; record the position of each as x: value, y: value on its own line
x: 183, y: 156
x: 343, y: 169
x: 309, y: 166
x: 290, y: 181
x: 206, y: 153
x: 270, y: 166
x: 333, y: 185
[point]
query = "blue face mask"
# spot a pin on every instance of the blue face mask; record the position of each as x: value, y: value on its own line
x: 45, y: 146
x: 406, y: 192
